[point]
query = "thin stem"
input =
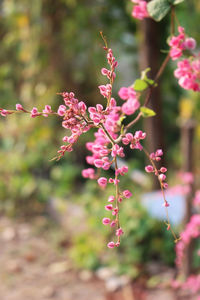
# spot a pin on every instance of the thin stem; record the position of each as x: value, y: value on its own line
x: 117, y: 196
x: 172, y: 20
x: 157, y: 77
x: 176, y: 239
x: 107, y: 133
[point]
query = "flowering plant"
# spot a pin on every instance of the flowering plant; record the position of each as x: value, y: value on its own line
x: 113, y: 133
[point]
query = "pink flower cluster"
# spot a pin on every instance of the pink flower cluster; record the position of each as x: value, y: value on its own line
x: 140, y: 9
x: 191, y: 231
x: 188, y: 68
x: 196, y: 201
x: 105, y: 148
x: 184, y: 187
x: 131, y: 98
x: 191, y: 284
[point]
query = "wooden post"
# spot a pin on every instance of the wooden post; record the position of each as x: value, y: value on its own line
x: 187, y: 136
x: 149, y: 56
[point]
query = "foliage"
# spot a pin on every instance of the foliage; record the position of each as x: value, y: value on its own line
x: 144, y: 240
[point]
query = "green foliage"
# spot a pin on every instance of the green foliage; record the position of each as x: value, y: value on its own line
x: 176, y: 2
x: 140, y: 85
x: 144, y: 82
x: 144, y: 238
x: 146, y: 78
x: 158, y: 9
x: 147, y: 112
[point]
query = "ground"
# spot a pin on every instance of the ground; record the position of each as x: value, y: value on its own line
x: 32, y: 268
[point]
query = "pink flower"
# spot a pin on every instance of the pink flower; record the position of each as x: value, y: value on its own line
x: 117, y: 150
x: 149, y: 169
x: 115, y: 181
x: 34, y: 112
x: 61, y: 110
x: 82, y: 107
x: 120, y: 199
x: 175, y: 53
x: 126, y: 93
x: 19, y: 107
x: 163, y: 169
x: 165, y: 185
x: 109, y: 207
x: 121, y: 171
x: 119, y: 232
x: 115, y: 211
x: 159, y: 152
x: 105, y: 90
x: 127, y: 194
x: 190, y: 43
x: 112, y: 224
x: 104, y: 71
x: 140, y: 10
x: 106, y: 221
x: 162, y: 177
x: 4, y: 112
x: 111, y: 199
x: 88, y: 173
x: 130, y: 106
x: 111, y: 245
x: 46, y: 110
x: 127, y: 139
x: 98, y: 163
x: 102, y: 181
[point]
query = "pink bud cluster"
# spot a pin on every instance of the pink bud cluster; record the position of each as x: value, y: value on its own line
x: 106, y: 90
x: 140, y: 9
x: 74, y: 118
x: 155, y: 157
x: 134, y: 141
x: 188, y: 69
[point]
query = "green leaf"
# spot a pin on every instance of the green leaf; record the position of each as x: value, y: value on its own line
x: 147, y: 112
x: 121, y: 120
x: 145, y: 77
x: 140, y: 85
x: 175, y: 2
x: 144, y: 73
x: 158, y: 9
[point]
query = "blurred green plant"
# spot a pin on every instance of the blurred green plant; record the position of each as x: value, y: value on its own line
x: 143, y: 240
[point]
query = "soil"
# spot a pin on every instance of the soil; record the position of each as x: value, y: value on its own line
x: 34, y: 268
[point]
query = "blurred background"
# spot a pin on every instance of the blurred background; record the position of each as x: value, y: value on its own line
x: 50, y: 224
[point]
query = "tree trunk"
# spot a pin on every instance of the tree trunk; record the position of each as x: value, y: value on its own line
x: 150, y: 57
x: 187, y: 136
